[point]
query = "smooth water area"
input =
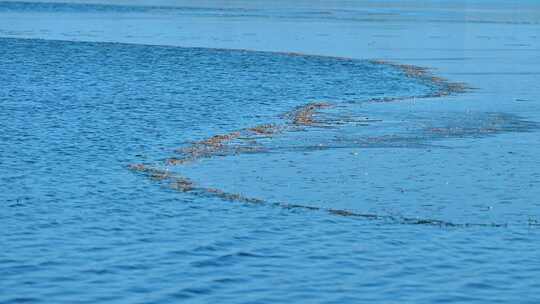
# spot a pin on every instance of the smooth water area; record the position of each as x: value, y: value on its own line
x: 78, y: 226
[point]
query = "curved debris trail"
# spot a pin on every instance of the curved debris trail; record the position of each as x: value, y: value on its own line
x: 301, y: 118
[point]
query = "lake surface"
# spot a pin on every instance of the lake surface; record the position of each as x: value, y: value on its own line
x: 139, y: 168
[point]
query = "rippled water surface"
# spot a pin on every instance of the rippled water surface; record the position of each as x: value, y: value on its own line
x: 134, y: 173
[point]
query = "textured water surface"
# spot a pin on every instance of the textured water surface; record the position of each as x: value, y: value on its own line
x: 77, y: 224
x: 156, y: 174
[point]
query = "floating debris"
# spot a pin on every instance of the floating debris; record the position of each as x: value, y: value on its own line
x: 303, y: 116
x: 267, y: 129
x: 445, y: 87
x: 178, y: 161
x: 245, y: 141
x: 153, y: 173
x: 219, y: 140
x: 183, y: 184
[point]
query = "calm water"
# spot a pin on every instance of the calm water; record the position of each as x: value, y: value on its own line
x: 456, y: 210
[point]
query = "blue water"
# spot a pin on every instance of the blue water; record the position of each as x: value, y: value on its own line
x: 454, y: 218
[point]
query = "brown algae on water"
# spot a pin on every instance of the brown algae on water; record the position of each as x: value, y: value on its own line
x: 246, y: 141
x: 182, y: 184
x: 446, y: 87
x: 265, y: 129
x: 304, y: 115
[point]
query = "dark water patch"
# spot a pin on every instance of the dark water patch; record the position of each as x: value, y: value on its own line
x: 425, y: 131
